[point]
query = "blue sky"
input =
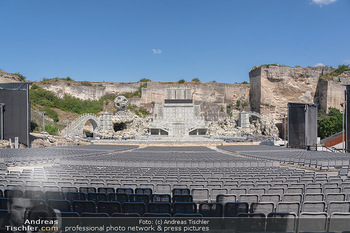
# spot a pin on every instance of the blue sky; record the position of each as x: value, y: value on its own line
x: 168, y: 40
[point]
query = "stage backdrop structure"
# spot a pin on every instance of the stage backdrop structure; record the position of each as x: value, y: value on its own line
x: 15, y: 111
x: 302, y: 125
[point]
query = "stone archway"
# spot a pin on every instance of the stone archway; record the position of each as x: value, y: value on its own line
x: 76, y: 127
x: 94, y: 127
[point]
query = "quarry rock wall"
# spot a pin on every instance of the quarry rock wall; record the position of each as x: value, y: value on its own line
x: 272, y: 87
x: 330, y: 93
x: 212, y: 97
x: 94, y: 92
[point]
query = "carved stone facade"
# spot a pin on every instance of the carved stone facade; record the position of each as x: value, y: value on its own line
x: 178, y: 116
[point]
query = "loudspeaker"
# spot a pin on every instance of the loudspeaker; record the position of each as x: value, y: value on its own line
x: 302, y: 125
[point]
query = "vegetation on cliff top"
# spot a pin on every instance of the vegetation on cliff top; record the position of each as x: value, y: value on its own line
x: 275, y: 64
x: 137, y: 93
x: 337, y: 72
x: 267, y: 66
x: 23, y: 78
x: 49, y: 80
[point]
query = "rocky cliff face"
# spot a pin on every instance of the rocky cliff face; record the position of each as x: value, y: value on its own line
x: 93, y: 92
x: 330, y: 93
x: 212, y: 97
x: 8, y: 77
x: 272, y: 87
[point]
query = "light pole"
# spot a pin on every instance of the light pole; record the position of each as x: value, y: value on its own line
x: 43, y: 125
x: 343, y: 139
x: 2, y: 120
x: 67, y: 126
x: 285, y: 128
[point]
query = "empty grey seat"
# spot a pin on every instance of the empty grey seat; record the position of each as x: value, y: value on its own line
x: 297, y: 190
x: 258, y: 191
x: 224, y: 198
x: 238, y: 191
x: 214, y: 192
x: 312, y: 222
x: 249, y: 198
x: 200, y: 195
x: 313, y: 190
x: 274, y: 198
x: 281, y: 222
x: 262, y: 207
x: 339, y: 222
x: 335, y: 197
x: 292, y: 197
x: 332, y: 190
x: 275, y: 190
x: 314, y: 197
x: 293, y: 207
x: 313, y: 206
x: 163, y: 188
x: 338, y: 206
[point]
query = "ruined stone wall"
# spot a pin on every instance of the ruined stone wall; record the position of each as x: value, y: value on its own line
x: 330, y: 93
x: 272, y: 87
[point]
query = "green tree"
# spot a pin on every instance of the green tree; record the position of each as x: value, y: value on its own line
x: 181, y: 81
x: 145, y: 80
x: 228, y: 108
x: 51, y: 129
x: 331, y: 124
x: 196, y: 80
x: 238, y: 103
x: 321, y: 112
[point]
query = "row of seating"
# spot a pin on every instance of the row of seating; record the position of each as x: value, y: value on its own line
x: 265, y: 207
x: 317, y: 159
x: 252, y: 195
x: 279, y: 188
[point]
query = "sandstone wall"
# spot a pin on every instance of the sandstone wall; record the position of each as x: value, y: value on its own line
x: 274, y: 86
x: 211, y: 92
x: 95, y: 92
x: 330, y: 93
x: 212, y: 97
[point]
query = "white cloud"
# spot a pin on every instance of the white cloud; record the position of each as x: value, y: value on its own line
x: 323, y: 2
x: 319, y: 64
x: 157, y: 51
